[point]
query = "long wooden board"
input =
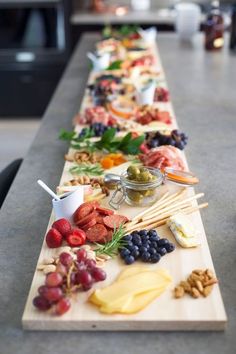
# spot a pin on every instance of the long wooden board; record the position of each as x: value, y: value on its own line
x: 164, y: 314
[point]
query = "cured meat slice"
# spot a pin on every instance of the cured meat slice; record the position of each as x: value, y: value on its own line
x: 86, y: 219
x: 162, y: 157
x: 97, y: 233
x: 99, y: 220
x: 104, y: 211
x: 87, y: 226
x: 84, y: 210
x: 114, y: 221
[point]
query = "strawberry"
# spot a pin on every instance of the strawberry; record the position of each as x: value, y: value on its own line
x: 75, y: 237
x: 62, y: 225
x: 54, y: 238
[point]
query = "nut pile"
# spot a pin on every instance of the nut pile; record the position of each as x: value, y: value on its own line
x: 83, y: 156
x: 96, y: 183
x: 199, y: 283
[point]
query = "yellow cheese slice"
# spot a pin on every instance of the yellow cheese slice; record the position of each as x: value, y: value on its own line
x: 133, y: 290
x: 134, y: 304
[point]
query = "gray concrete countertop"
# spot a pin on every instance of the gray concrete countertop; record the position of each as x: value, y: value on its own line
x: 202, y: 86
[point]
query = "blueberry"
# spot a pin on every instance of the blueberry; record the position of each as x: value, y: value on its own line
x: 129, y: 260
x: 137, y: 240
x: 127, y: 238
x: 135, y: 253
x: 152, y: 251
x: 153, y: 244
x: 145, y: 256
x: 170, y: 247
x: 130, y: 243
x: 143, y: 249
x: 131, y: 248
x: 146, y: 245
x: 163, y: 242
x: 152, y: 233
x: 143, y: 232
x: 134, y: 233
x: 162, y: 251
x: 124, y: 253
x: 155, y: 258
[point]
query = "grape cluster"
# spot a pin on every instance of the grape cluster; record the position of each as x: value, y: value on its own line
x: 175, y: 138
x: 146, y: 246
x: 97, y: 128
x: 70, y: 276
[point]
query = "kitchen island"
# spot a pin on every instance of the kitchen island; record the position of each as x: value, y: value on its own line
x: 202, y: 90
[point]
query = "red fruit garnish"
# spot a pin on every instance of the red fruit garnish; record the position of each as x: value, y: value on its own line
x: 65, y: 259
x: 54, y: 238
x: 53, y: 279
x: 98, y: 274
x: 41, y: 303
x: 90, y: 263
x: 62, y: 306
x: 81, y: 255
x: 76, y: 237
x: 42, y: 289
x: 53, y: 294
x: 62, y: 225
x: 85, y: 279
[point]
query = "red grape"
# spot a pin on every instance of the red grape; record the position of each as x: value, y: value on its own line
x: 42, y: 289
x: 98, y: 274
x: 62, y: 306
x: 65, y: 259
x: 53, y: 279
x: 85, y: 279
x: 41, y: 303
x: 61, y: 269
x: 81, y: 255
x: 91, y: 263
x: 53, y: 294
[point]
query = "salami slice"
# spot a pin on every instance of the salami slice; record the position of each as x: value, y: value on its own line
x: 99, y: 219
x: 114, y: 221
x: 84, y: 210
x: 96, y: 233
x: 87, y: 218
x: 104, y: 211
x: 87, y: 226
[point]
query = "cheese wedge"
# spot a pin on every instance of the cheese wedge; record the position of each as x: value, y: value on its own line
x: 183, y: 231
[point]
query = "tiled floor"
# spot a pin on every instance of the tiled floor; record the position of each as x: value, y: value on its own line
x: 16, y: 137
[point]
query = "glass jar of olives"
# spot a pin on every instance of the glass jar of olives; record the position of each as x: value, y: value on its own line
x: 138, y: 186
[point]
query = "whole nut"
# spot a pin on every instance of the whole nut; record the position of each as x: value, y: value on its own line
x: 195, y: 293
x: 207, y: 290
x: 48, y: 260
x: 49, y: 268
x: 179, y: 292
x: 199, y: 286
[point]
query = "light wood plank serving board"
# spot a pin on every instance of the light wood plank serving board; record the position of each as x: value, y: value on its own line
x: 165, y: 313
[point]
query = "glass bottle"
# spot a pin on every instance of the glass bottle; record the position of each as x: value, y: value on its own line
x: 214, y: 28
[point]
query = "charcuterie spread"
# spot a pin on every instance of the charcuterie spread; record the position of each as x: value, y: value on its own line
x: 122, y: 253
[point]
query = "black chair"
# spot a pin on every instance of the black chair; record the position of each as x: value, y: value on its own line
x: 7, y: 176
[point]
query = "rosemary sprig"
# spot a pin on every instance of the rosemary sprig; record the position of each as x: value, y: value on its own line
x: 111, y: 248
x: 87, y: 169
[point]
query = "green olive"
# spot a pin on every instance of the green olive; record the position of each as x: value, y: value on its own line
x: 133, y: 171
x: 143, y: 169
x: 134, y: 196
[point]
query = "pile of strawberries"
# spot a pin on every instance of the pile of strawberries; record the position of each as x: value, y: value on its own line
x: 93, y: 223
x: 62, y: 230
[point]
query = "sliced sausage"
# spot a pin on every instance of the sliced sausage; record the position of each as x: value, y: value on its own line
x: 96, y: 233
x: 114, y: 221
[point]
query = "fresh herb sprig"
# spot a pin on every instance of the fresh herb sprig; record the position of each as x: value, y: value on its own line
x: 108, y: 141
x: 87, y: 169
x: 111, y: 248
